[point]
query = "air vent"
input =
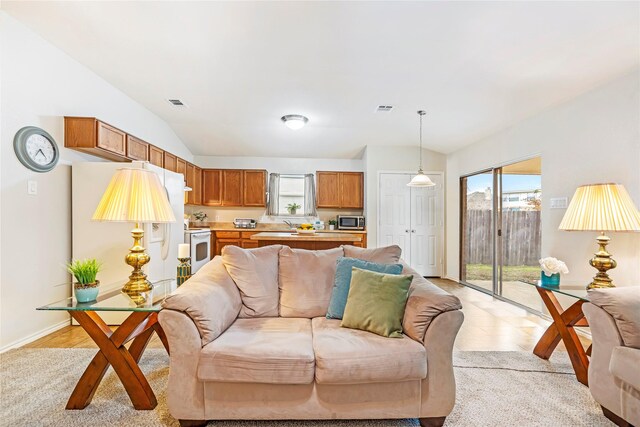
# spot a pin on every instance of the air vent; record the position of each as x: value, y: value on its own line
x: 384, y: 108
x: 177, y: 102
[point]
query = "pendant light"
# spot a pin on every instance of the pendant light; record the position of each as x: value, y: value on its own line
x: 421, y: 180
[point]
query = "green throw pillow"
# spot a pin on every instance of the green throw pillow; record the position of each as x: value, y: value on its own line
x: 376, y: 302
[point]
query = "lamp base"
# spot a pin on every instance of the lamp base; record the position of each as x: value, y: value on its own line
x: 136, y: 258
x: 602, y: 262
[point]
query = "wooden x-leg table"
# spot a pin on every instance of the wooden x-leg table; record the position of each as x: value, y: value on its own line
x: 139, y: 327
x: 562, y: 328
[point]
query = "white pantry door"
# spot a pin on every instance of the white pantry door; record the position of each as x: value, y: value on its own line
x: 412, y: 218
x: 394, y: 226
x: 426, y: 226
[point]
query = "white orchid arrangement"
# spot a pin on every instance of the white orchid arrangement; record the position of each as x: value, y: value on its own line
x: 551, y: 265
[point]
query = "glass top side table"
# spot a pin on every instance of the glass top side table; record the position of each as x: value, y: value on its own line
x: 138, y: 327
x: 564, y: 322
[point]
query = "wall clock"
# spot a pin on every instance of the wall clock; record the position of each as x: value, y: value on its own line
x: 36, y: 149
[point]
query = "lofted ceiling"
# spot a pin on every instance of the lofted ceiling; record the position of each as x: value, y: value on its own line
x: 476, y: 67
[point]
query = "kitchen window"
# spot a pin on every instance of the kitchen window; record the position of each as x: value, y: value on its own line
x: 291, y: 195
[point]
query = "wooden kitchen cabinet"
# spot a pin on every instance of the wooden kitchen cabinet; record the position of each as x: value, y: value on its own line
x: 255, y: 188
x: 90, y: 135
x: 340, y: 190
x: 181, y: 167
x: 137, y: 149
x: 232, y: 187
x: 170, y: 162
x: 212, y: 187
x: 156, y: 156
x: 197, y: 186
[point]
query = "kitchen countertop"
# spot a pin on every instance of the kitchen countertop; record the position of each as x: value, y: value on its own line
x: 228, y: 226
x: 331, y: 237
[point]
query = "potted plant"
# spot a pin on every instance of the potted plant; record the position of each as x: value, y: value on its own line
x: 200, y: 216
x: 86, y: 285
x: 293, y: 208
x: 551, y: 269
x: 332, y: 224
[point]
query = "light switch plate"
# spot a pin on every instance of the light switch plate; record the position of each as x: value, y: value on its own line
x: 32, y: 187
x: 559, y: 203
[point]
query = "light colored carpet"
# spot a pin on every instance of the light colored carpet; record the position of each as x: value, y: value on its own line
x: 494, y: 389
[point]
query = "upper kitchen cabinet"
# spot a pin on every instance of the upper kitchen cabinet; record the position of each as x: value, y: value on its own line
x: 92, y: 136
x: 255, y: 188
x: 181, y: 167
x: 156, y: 156
x: 170, y: 162
x: 340, y: 190
x: 212, y: 187
x: 193, y: 176
x: 232, y: 187
x: 137, y: 149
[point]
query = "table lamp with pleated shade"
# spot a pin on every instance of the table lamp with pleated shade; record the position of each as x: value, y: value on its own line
x: 601, y: 207
x: 135, y: 195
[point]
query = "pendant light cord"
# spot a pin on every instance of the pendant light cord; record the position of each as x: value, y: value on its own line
x: 421, y: 113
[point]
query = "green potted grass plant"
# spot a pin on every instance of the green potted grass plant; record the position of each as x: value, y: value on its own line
x: 86, y: 285
x: 293, y: 208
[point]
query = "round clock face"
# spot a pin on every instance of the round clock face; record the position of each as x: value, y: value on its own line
x: 36, y: 149
x: 40, y: 149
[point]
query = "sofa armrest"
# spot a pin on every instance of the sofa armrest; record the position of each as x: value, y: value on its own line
x: 623, y: 304
x: 210, y: 298
x: 185, y: 394
x: 625, y: 365
x: 425, y: 302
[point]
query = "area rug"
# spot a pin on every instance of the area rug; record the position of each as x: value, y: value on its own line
x: 494, y: 389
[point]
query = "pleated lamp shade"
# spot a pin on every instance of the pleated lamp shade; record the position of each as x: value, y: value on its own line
x: 134, y: 195
x: 601, y: 207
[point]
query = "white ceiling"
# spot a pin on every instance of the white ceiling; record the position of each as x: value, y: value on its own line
x: 239, y: 66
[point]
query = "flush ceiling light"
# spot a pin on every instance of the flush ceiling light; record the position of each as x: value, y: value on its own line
x: 294, y: 121
x: 420, y: 180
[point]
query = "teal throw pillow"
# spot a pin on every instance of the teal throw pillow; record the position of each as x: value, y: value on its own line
x: 376, y: 302
x: 343, y: 279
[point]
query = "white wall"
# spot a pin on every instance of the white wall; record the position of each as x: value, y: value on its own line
x: 272, y: 165
x: 380, y: 158
x: 592, y: 138
x: 40, y: 84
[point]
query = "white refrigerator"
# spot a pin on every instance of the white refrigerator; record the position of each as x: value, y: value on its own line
x: 109, y: 242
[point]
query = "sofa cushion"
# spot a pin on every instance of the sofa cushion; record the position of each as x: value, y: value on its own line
x: 342, y: 281
x: 385, y: 255
x: 376, y: 302
x: 306, y: 280
x: 351, y: 356
x: 255, y: 272
x: 260, y: 350
x: 623, y: 304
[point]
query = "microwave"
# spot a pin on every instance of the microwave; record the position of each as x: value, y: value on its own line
x: 350, y: 222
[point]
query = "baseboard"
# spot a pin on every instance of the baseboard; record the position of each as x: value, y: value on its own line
x: 33, y: 337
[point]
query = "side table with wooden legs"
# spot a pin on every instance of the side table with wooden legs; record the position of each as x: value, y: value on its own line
x: 138, y: 328
x: 563, y: 327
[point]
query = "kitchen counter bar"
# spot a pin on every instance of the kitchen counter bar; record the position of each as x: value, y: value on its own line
x: 322, y: 237
x: 228, y: 226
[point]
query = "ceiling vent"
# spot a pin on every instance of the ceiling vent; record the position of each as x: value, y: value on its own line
x: 384, y: 108
x: 177, y: 102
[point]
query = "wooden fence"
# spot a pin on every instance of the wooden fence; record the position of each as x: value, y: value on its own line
x: 521, y: 237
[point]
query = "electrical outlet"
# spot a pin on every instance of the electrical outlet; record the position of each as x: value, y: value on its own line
x: 32, y: 187
x: 218, y: 217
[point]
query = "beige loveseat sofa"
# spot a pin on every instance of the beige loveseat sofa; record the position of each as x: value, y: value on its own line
x: 228, y: 362
x: 614, y: 371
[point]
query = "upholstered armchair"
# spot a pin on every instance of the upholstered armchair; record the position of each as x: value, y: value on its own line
x: 614, y: 371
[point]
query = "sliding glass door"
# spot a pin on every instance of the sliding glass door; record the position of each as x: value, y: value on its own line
x: 501, y: 230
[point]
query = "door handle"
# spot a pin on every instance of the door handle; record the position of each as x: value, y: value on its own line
x: 406, y: 231
x: 413, y: 231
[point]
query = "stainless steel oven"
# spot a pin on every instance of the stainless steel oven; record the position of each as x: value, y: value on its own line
x: 350, y: 222
x: 199, y: 241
